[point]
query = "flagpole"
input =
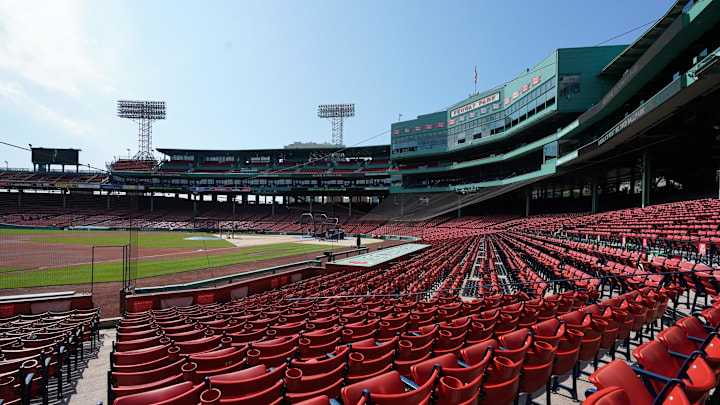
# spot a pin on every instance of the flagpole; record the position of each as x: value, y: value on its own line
x: 475, y: 90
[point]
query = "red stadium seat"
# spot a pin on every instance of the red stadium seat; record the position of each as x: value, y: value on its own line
x: 699, y: 379
x: 165, y: 394
x: 618, y: 374
x: 388, y: 389
x: 257, y: 384
x: 503, y: 374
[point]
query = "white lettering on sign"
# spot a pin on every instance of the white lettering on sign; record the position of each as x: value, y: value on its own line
x: 622, y: 125
x: 475, y: 104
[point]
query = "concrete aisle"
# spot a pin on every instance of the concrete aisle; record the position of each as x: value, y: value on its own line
x: 91, y: 388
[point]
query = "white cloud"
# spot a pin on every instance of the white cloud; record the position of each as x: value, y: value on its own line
x: 45, y: 42
x: 13, y: 92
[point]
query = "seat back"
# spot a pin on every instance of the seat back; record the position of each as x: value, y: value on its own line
x: 692, y: 327
x: 618, y: 374
x: 514, y: 345
x: 676, y: 340
x: 248, y: 381
x: 476, y: 353
x: 162, y: 394
x: 387, y: 388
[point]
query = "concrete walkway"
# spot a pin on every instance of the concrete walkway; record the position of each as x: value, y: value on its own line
x: 89, y: 382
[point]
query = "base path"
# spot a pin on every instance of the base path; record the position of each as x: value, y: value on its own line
x: 246, y: 240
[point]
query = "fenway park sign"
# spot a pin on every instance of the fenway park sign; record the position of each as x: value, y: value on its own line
x: 475, y: 105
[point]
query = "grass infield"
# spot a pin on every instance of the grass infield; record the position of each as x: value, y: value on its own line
x: 104, y: 272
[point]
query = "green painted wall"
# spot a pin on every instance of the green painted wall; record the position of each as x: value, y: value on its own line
x: 425, y: 133
x: 526, y: 99
x: 587, y: 63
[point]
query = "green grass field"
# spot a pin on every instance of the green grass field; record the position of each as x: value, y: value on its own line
x: 105, y: 272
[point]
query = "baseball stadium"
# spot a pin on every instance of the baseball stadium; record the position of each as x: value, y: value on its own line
x: 552, y: 240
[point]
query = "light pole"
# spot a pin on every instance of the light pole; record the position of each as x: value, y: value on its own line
x: 144, y: 113
x: 7, y: 167
x: 336, y: 113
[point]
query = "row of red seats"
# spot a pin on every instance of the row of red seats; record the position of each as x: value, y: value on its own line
x: 448, y: 337
x: 447, y: 263
x: 682, y: 364
x: 34, y: 349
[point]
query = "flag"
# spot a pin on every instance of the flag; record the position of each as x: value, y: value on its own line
x: 475, y: 74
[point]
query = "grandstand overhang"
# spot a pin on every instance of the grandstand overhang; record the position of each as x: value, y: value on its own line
x: 289, y: 153
x: 623, y: 62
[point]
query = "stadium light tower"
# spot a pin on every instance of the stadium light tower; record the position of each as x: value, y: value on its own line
x: 144, y: 113
x: 336, y: 113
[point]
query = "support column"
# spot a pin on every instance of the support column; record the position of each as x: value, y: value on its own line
x: 350, y: 207
x: 194, y: 198
x: 527, y: 203
x: 402, y: 206
x: 244, y: 199
x: 594, y: 195
x: 272, y: 203
x: 646, y: 178
x: 108, y: 200
x: 152, y: 203
x: 311, y: 199
x: 64, y: 194
x: 458, y: 207
x: 20, y: 192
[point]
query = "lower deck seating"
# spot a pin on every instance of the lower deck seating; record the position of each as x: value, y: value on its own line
x: 38, y: 351
x: 494, y: 310
x: 409, y: 333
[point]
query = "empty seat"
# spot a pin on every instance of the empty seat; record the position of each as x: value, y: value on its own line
x: 618, y: 374
x: 388, y: 389
x: 695, y: 373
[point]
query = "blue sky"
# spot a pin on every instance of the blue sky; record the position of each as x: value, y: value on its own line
x: 250, y: 74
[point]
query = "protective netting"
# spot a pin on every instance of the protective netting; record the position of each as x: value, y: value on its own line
x: 54, y: 238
